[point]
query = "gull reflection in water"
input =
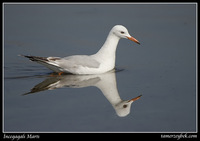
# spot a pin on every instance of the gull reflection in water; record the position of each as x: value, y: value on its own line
x: 105, y: 82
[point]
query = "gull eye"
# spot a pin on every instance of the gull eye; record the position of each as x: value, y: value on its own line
x: 122, y: 32
x: 124, y: 106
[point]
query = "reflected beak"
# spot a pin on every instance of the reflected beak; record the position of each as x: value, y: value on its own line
x: 134, y: 99
x: 133, y: 39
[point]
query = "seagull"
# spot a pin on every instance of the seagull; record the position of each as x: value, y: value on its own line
x: 105, y: 82
x: 98, y: 63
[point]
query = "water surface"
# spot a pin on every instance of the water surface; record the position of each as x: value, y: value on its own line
x: 162, y: 68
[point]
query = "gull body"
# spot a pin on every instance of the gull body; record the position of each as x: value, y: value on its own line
x: 100, y: 62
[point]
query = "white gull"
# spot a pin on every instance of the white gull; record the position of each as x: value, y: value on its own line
x: 101, y: 62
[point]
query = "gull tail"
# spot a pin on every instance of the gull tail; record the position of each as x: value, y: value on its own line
x: 35, y: 58
x: 49, y: 63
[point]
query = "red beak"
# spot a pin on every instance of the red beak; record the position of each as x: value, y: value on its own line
x: 134, y: 40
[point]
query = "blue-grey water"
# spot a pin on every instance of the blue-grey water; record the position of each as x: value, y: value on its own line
x: 162, y: 69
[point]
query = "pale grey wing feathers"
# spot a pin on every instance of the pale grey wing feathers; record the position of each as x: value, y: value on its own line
x: 81, y: 60
x: 67, y: 64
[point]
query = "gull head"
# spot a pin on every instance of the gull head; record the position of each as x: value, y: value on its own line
x: 121, y: 32
x: 123, y: 108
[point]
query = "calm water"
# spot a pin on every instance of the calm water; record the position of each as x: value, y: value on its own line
x: 162, y: 69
